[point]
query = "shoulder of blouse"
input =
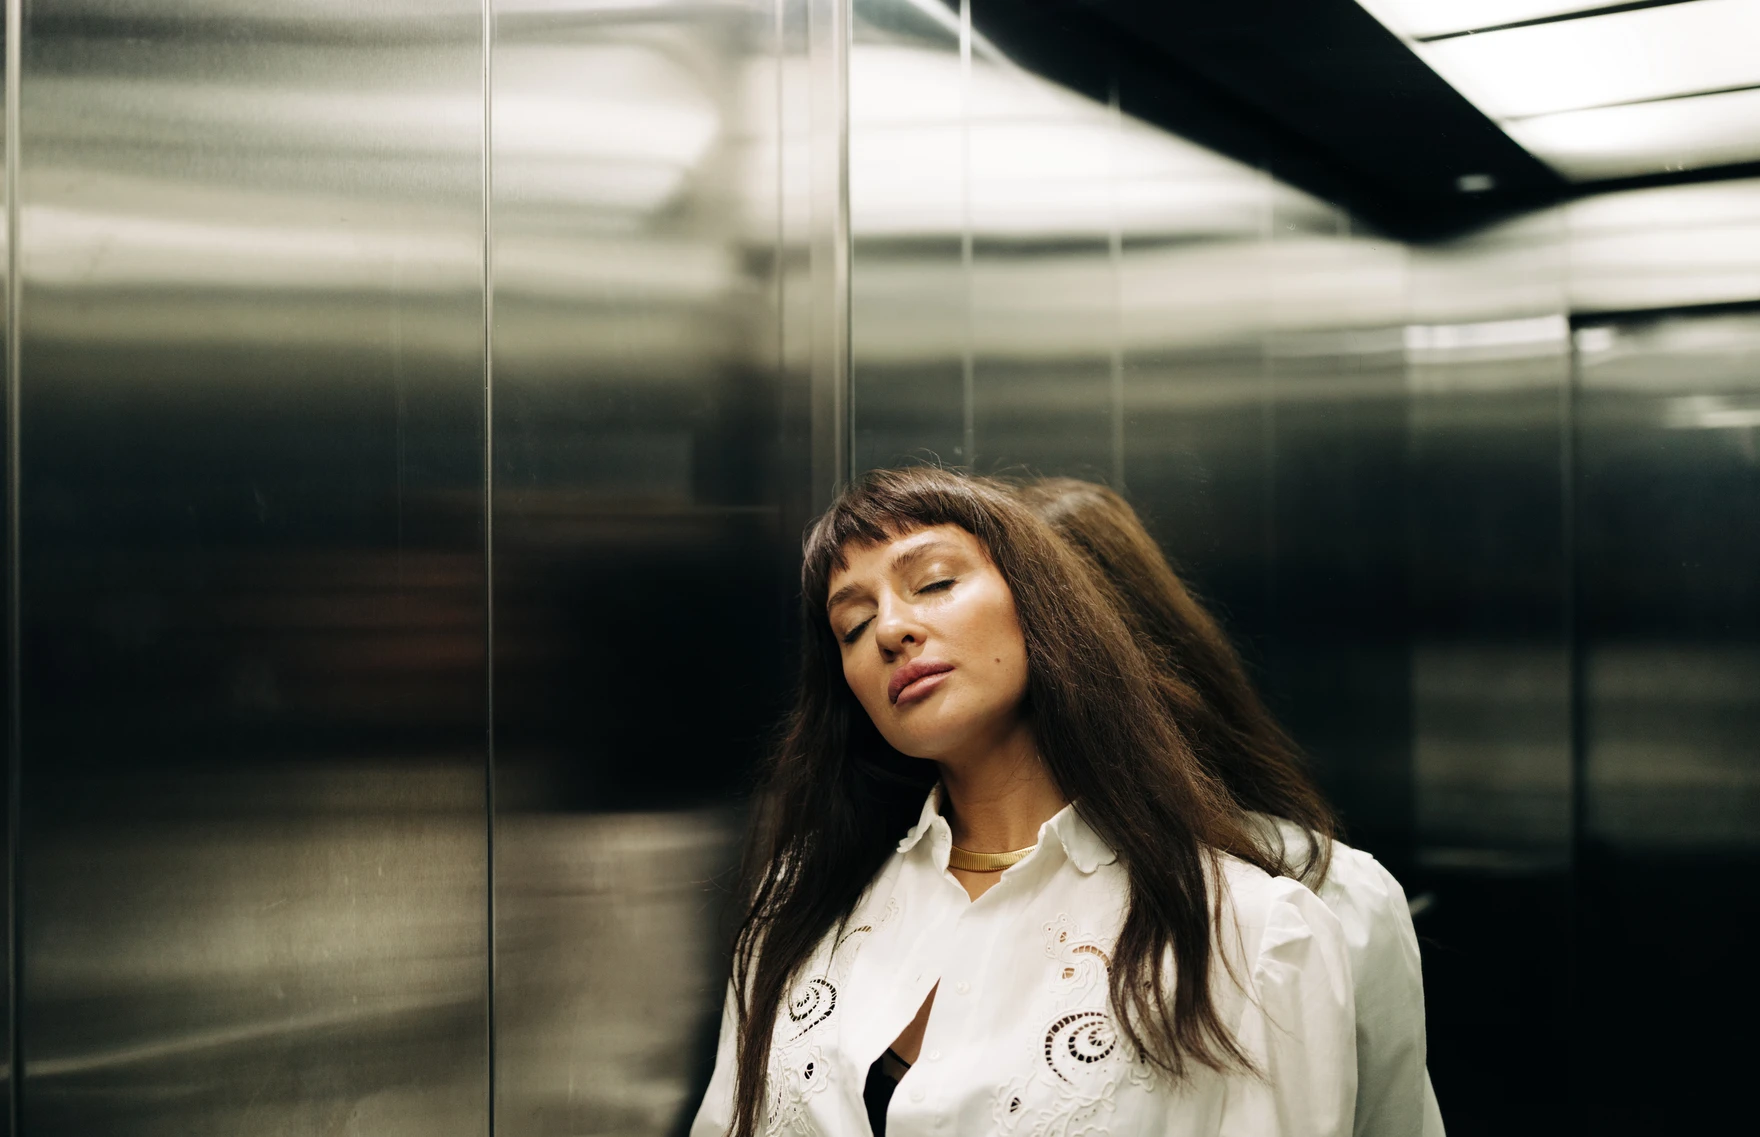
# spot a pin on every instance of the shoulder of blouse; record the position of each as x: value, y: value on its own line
x: 1254, y: 901
x: 1367, y: 899
x: 1358, y: 889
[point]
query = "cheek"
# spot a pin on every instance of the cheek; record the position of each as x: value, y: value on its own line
x: 859, y: 677
x: 1005, y: 650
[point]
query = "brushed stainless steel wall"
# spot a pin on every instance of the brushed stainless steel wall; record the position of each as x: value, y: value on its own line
x: 1488, y: 539
x: 667, y: 219
x: 1667, y: 493
x: 281, y: 270
x: 253, y: 884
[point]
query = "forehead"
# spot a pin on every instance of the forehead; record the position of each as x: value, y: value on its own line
x: 871, y: 558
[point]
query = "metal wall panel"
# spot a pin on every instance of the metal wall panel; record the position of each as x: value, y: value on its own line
x: 910, y: 312
x: 1044, y: 280
x: 1487, y: 369
x: 253, y: 880
x: 1197, y: 423
x: 661, y: 232
x: 1336, y: 650
x: 1667, y: 497
x: 1668, y: 492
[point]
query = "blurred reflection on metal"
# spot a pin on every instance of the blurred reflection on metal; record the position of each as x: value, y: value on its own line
x: 609, y: 990
x: 667, y: 221
x: 1667, y: 247
x: 1667, y: 491
x: 253, y: 879
x: 1487, y: 371
x: 910, y: 324
x: 1668, y: 477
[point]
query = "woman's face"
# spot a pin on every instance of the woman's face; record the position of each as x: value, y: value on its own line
x: 931, y: 644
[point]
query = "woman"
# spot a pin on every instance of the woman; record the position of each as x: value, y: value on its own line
x: 1240, y: 745
x: 1077, y: 934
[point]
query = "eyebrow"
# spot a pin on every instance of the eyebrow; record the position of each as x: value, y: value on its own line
x: 902, y: 561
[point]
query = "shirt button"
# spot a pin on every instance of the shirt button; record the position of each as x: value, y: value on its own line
x: 916, y: 1095
x: 934, y: 1055
x: 962, y: 987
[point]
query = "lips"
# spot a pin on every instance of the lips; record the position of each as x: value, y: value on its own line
x: 910, y: 673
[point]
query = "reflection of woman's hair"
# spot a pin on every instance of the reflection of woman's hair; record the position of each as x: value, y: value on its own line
x: 1202, y: 682
x: 836, y: 797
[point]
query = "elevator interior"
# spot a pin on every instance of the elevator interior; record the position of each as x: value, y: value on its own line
x: 413, y: 408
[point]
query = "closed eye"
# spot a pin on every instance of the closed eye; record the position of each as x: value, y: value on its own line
x: 938, y: 586
x: 855, y: 633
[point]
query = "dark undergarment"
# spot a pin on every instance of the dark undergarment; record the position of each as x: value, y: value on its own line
x: 883, y: 1078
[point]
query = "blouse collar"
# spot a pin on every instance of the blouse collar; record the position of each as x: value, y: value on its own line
x: 1084, y: 847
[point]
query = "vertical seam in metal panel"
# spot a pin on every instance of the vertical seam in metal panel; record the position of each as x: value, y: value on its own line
x: 779, y: 265
x: 1268, y: 412
x: 1573, y: 635
x: 14, y: 593
x: 1115, y: 257
x: 487, y: 190
x: 1575, y: 695
x: 845, y: 253
x: 968, y: 364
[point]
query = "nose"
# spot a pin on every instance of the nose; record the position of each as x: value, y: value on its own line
x: 896, y: 629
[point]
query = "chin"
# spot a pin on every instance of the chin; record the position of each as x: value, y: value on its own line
x: 929, y: 749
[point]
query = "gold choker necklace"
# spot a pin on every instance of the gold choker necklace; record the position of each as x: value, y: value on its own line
x: 967, y: 861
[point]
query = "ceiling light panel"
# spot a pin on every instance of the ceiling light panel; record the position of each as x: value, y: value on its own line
x: 1645, y: 138
x: 1623, y: 57
x: 1418, y: 19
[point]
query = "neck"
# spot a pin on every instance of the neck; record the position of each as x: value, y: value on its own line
x: 996, y: 803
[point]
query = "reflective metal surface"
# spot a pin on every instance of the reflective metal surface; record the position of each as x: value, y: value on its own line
x: 1668, y: 480
x: 263, y: 565
x: 1488, y: 540
x: 1667, y: 490
x: 253, y: 877
x: 910, y: 326
x: 666, y: 229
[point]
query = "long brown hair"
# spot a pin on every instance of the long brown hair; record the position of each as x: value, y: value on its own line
x: 1202, y: 682
x: 836, y: 797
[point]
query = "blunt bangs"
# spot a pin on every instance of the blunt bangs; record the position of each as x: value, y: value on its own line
x: 883, y: 505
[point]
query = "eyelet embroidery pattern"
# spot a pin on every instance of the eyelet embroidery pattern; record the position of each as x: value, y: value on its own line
x: 1083, y: 1061
x: 798, y: 1068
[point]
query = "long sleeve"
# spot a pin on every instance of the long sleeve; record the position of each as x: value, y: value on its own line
x: 715, y: 1115
x: 1394, y: 1098
x: 1299, y: 1027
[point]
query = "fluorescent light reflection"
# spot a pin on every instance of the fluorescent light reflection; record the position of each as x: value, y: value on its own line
x: 1016, y: 156
x: 1710, y: 412
x: 1646, y: 138
x: 1649, y: 91
x: 1419, y: 18
x: 1651, y: 53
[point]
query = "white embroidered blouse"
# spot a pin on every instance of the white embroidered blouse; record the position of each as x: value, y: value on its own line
x: 1021, y: 1040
